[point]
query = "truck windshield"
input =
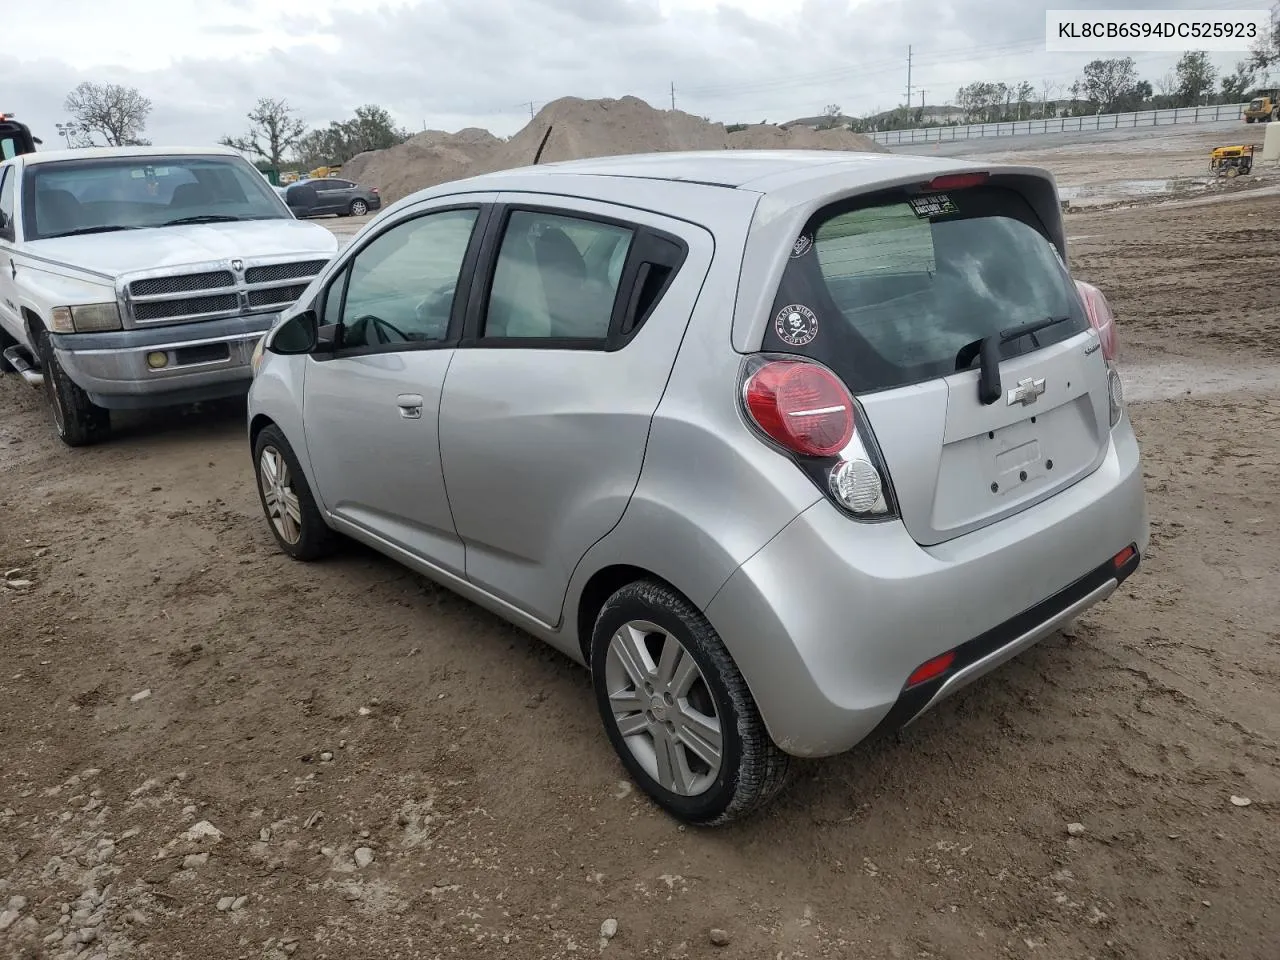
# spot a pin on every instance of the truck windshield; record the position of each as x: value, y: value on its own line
x: 121, y: 193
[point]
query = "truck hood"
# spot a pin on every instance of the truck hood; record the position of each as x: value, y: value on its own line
x: 114, y: 254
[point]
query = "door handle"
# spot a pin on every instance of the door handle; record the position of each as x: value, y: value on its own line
x: 410, y: 406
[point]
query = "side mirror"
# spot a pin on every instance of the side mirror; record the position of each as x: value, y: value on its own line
x: 299, y: 334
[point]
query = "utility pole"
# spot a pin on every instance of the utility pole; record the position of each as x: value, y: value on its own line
x: 530, y: 109
x: 908, y: 76
x: 673, y: 95
x: 922, y: 93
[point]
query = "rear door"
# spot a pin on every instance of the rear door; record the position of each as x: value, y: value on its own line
x: 895, y: 293
x: 547, y: 404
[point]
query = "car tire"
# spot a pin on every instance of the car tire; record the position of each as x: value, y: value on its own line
x: 300, y: 532
x: 670, y: 735
x: 78, y: 420
x: 359, y: 208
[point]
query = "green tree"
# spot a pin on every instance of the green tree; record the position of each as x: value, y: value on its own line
x: 1112, y: 84
x: 1236, y: 86
x: 1195, y: 77
x: 372, y: 128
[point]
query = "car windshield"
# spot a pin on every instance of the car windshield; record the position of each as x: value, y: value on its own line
x: 891, y: 293
x: 127, y: 193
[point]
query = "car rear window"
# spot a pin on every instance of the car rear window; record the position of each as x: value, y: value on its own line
x: 888, y: 292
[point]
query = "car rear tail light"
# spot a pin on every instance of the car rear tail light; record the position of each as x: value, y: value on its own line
x: 1100, y: 318
x: 803, y: 408
x: 932, y: 669
x: 1124, y: 556
x: 373, y: 189
x: 957, y: 181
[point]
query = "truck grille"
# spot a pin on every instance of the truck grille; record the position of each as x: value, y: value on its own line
x: 284, y: 271
x: 276, y: 296
x: 153, y: 310
x: 213, y: 292
x: 184, y: 283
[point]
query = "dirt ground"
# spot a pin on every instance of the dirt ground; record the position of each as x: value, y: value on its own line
x: 208, y: 751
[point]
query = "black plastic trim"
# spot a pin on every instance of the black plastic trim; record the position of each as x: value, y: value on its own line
x: 914, y: 699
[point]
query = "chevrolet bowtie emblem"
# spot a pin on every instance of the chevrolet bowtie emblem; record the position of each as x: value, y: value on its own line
x: 1026, y: 392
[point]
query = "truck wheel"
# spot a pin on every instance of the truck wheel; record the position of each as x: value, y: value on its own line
x: 6, y: 342
x: 79, y: 420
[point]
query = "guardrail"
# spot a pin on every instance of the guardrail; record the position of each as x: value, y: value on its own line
x: 1022, y: 128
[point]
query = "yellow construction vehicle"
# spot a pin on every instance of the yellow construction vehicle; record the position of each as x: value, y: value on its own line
x: 321, y: 173
x: 1265, y: 106
x: 1231, y: 161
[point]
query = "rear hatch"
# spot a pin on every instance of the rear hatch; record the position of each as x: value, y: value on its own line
x: 896, y: 292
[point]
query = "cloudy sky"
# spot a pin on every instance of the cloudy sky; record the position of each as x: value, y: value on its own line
x: 447, y: 64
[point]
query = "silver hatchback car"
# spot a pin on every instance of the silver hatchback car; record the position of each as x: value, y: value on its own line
x: 785, y: 447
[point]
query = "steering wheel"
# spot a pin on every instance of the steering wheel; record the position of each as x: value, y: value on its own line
x: 381, y: 327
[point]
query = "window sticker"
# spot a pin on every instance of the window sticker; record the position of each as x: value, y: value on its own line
x: 934, y: 205
x: 796, y: 325
x: 803, y: 244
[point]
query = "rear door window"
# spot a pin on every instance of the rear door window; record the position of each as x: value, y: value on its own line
x: 557, y: 277
x: 891, y: 292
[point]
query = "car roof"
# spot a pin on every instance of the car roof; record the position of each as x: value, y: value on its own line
x: 102, y: 153
x: 755, y: 170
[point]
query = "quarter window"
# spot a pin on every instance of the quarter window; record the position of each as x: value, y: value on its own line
x: 557, y: 277
x: 401, y: 286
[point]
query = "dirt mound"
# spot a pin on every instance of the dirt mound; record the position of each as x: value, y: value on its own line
x: 765, y: 136
x: 432, y: 156
x: 574, y: 128
x: 606, y: 128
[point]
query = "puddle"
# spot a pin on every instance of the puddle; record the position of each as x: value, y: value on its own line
x: 1091, y: 194
x: 1170, y: 379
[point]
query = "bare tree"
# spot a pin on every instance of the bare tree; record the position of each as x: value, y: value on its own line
x: 831, y: 116
x: 116, y: 113
x: 274, y: 131
x: 1049, y: 90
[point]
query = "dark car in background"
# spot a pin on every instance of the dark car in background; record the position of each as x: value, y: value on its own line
x: 316, y: 197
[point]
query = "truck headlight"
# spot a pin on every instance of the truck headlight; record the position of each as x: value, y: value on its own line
x: 85, y: 318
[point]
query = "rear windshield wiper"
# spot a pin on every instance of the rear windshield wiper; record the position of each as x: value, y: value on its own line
x: 988, y: 350
x: 202, y: 218
x: 85, y: 230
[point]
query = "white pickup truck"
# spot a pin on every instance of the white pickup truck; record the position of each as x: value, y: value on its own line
x: 136, y: 277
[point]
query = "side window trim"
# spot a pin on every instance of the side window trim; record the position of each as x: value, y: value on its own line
x: 461, y: 296
x: 9, y: 229
x: 646, y: 251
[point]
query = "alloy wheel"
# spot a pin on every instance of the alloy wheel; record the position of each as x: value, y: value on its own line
x: 663, y: 708
x: 281, y: 500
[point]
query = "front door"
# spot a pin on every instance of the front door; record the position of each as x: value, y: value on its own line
x: 10, y: 319
x: 371, y: 407
x: 547, y: 406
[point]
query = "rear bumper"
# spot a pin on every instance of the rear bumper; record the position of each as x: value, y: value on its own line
x: 829, y: 620
x: 206, y: 360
